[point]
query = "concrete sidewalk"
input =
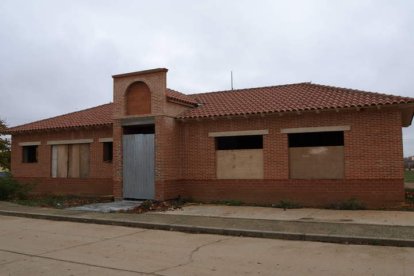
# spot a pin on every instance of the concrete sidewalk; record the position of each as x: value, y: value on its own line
x: 401, y: 218
x: 357, y: 227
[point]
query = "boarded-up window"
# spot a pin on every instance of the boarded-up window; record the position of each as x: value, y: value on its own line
x: 70, y: 161
x: 239, y: 157
x: 29, y: 154
x: 316, y: 155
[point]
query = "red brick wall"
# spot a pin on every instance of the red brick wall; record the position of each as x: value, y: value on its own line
x: 373, y: 160
x: 138, y: 99
x: 117, y: 159
x: 373, y: 146
x: 168, y: 157
x: 185, y: 160
x: 70, y: 186
x: 99, y: 181
x: 374, y: 193
x: 169, y: 152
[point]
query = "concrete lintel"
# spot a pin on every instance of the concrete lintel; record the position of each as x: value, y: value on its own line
x: 66, y: 142
x: 238, y: 133
x: 151, y: 71
x: 34, y: 143
x: 137, y: 121
x: 103, y: 140
x: 315, y: 129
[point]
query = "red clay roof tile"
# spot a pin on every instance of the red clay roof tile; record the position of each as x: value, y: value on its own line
x: 180, y: 97
x: 285, y: 98
x: 282, y: 98
x: 95, y: 116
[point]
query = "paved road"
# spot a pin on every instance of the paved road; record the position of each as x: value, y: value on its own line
x: 41, y: 247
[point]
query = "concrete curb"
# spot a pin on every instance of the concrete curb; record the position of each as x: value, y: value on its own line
x: 221, y: 231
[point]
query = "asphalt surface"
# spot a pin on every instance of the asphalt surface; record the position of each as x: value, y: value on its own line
x: 45, y: 247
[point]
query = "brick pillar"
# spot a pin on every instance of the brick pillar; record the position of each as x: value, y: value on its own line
x: 117, y: 159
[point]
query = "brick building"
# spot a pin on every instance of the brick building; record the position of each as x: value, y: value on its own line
x: 304, y: 142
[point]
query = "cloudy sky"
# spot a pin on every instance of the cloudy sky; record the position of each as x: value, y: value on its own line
x: 58, y: 56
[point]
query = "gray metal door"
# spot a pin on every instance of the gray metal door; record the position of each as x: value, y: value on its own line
x: 138, y: 171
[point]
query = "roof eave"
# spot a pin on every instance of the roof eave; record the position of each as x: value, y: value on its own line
x: 402, y: 106
x: 14, y: 132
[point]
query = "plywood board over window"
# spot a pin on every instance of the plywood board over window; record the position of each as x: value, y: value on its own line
x: 60, y: 161
x: 84, y: 161
x: 70, y: 161
x: 240, y: 164
x: 74, y: 161
x: 239, y: 157
x: 316, y: 155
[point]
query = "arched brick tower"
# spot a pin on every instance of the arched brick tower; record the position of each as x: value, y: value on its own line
x: 141, y: 109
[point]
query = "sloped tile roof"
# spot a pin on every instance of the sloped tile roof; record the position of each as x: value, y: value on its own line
x: 95, y: 116
x: 282, y: 98
x: 180, y: 97
x: 286, y: 98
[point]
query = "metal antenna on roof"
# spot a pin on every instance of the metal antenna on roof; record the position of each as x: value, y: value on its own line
x: 231, y: 76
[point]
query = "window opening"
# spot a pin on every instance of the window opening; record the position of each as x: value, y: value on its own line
x: 107, y: 151
x: 239, y: 142
x: 29, y: 154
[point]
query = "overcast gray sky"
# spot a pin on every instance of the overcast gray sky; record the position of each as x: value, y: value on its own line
x: 58, y: 56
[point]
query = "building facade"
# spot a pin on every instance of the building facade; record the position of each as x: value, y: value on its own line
x: 307, y: 143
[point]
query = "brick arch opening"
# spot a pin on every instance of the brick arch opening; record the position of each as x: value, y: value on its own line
x: 138, y: 99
